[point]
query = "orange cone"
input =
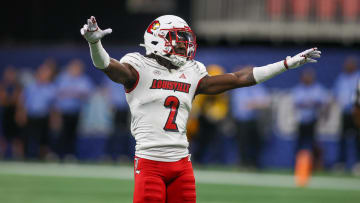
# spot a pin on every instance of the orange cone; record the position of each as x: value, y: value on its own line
x: 303, y: 167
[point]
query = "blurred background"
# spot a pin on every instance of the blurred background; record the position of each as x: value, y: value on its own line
x: 56, y: 107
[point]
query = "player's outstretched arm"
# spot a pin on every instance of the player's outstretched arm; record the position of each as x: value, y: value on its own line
x: 116, y: 71
x: 251, y: 76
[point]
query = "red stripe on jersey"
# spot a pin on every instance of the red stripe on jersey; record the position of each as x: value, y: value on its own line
x: 136, y: 83
x: 197, y: 86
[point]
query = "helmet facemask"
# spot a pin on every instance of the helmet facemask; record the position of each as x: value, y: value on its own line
x: 180, y: 45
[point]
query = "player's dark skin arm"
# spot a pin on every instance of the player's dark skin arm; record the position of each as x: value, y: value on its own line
x: 125, y: 74
x: 122, y: 73
x: 221, y: 83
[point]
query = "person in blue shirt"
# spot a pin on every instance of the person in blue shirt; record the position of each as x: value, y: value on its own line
x: 309, y: 99
x: 120, y: 139
x: 247, y: 103
x: 35, y: 109
x: 344, y: 91
x: 10, y: 90
x: 73, y: 90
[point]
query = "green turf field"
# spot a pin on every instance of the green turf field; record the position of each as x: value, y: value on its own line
x: 43, y: 183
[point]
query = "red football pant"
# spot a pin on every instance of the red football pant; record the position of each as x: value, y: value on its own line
x: 164, y: 182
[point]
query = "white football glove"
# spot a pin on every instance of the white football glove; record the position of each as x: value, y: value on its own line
x: 91, y: 32
x: 302, y: 58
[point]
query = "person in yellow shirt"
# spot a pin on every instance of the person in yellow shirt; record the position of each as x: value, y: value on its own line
x: 207, y: 115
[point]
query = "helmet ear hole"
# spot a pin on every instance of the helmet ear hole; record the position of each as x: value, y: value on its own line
x: 154, y: 42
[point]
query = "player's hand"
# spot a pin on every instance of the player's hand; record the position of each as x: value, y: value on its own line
x: 307, y: 56
x: 91, y: 31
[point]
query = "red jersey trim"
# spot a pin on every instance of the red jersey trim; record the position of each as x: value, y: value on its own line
x: 136, y: 83
x: 199, y: 84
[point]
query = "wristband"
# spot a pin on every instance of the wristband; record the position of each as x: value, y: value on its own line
x: 99, y: 56
x: 264, y: 73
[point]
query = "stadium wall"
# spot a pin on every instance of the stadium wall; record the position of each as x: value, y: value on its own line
x: 279, y: 149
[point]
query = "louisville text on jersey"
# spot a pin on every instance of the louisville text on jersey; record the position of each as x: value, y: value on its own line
x: 170, y: 85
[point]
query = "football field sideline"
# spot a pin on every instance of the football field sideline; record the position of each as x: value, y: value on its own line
x: 202, y: 176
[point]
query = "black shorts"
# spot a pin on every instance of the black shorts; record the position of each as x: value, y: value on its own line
x: 9, y: 126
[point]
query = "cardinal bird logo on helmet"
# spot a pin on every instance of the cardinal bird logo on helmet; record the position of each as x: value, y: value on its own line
x: 155, y: 25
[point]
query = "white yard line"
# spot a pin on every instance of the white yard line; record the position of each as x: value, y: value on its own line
x: 202, y: 176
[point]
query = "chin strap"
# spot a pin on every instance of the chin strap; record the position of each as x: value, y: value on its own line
x: 177, y: 60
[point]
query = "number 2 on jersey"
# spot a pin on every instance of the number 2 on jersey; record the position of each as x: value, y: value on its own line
x: 173, y: 104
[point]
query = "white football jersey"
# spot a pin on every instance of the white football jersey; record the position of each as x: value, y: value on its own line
x: 160, y: 104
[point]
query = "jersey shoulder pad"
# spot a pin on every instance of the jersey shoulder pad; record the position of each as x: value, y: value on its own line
x: 200, y: 69
x: 136, y: 60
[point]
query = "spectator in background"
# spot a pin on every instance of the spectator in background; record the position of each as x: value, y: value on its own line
x: 120, y: 140
x: 211, y: 112
x: 73, y: 89
x: 309, y: 99
x: 356, y: 114
x: 246, y: 104
x: 10, y: 90
x: 344, y: 90
x: 35, y: 110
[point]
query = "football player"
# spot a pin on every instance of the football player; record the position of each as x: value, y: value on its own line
x: 160, y: 87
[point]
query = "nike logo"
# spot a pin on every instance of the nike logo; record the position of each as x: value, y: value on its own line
x: 137, y: 171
